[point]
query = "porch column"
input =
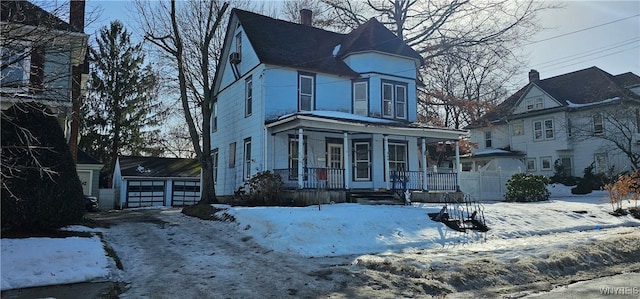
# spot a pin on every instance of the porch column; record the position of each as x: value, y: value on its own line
x: 458, y: 164
x: 300, y: 158
x: 385, y: 142
x: 424, y: 165
x: 347, y: 165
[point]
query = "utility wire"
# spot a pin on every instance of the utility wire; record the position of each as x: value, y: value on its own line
x: 581, y: 30
x: 589, y: 53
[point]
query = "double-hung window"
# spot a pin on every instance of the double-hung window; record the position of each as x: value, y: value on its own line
x: 361, y: 98
x: 397, y: 156
x: 306, y: 91
x: 214, y: 116
x: 248, y: 102
x: 394, y: 100
x: 487, y: 139
x: 543, y: 130
x: 598, y: 124
x: 15, y: 67
x: 247, y: 159
x: 214, y: 162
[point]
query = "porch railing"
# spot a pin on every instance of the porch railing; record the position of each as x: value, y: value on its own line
x: 312, y: 178
x: 412, y: 180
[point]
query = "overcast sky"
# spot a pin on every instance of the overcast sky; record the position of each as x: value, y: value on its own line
x: 605, y: 34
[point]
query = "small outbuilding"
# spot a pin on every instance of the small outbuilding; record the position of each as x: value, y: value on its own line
x: 155, y: 181
x: 88, y: 169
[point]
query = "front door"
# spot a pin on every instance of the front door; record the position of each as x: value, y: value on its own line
x: 335, y: 163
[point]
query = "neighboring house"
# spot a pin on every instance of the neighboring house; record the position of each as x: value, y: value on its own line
x: 322, y: 109
x: 153, y: 181
x: 565, y: 119
x: 38, y: 53
x: 88, y: 169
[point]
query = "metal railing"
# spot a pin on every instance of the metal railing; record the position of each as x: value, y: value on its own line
x: 312, y: 178
x: 412, y: 180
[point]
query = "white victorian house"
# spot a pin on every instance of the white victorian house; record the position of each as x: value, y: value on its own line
x: 322, y: 109
x: 575, y: 119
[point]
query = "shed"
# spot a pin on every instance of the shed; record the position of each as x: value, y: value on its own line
x: 155, y: 181
x: 88, y: 169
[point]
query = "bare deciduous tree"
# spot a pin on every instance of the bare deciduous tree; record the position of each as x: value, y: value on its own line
x: 187, y: 32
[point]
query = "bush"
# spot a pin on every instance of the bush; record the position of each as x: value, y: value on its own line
x: 40, y: 189
x: 560, y: 175
x: 591, y: 181
x: 264, y: 189
x: 624, y: 187
x: 523, y: 187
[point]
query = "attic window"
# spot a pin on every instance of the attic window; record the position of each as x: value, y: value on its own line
x: 535, y: 104
x: 239, y: 42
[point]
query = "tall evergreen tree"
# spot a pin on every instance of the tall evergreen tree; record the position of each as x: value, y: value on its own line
x: 122, y: 111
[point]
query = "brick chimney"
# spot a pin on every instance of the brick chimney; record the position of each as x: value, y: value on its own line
x: 534, y: 76
x: 306, y: 17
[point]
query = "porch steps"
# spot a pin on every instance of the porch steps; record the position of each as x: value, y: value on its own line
x: 373, y: 197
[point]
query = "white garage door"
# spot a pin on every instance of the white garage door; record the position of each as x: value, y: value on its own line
x: 145, y: 194
x: 185, y: 193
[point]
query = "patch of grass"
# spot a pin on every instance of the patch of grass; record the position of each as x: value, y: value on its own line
x: 206, y: 212
x: 110, y: 252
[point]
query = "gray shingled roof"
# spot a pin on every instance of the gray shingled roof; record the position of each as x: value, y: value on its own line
x: 159, y: 167
x: 585, y: 86
x: 283, y: 43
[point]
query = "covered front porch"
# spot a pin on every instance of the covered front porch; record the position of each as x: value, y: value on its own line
x: 340, y: 151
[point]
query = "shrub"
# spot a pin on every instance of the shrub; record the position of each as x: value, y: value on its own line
x: 591, y: 181
x: 524, y: 187
x: 264, y: 189
x: 625, y: 187
x: 560, y: 175
x: 40, y: 189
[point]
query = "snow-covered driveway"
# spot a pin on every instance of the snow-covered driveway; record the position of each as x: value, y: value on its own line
x: 166, y: 254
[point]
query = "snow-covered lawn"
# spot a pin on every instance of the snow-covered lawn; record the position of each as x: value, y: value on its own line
x: 336, y: 230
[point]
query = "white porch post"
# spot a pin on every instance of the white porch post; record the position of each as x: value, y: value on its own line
x: 300, y: 158
x: 458, y: 164
x: 424, y: 165
x: 347, y: 165
x: 385, y: 141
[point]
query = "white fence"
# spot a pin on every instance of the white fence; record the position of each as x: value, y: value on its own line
x: 485, y: 185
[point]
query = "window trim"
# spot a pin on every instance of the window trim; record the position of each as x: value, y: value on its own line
x: 293, y: 167
x: 520, y: 125
x: 366, y: 98
x: 404, y: 144
x: 248, y: 96
x: 354, y: 145
x: 543, y: 129
x: 23, y: 65
x: 542, y: 160
x: 598, y: 126
x: 312, y: 95
x: 214, y: 116
x: 488, y: 139
x: 214, y: 162
x: 393, y: 102
x: 239, y: 42
x: 533, y: 163
x: 246, y: 163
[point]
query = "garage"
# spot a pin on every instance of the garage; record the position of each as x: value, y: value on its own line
x: 185, y: 193
x: 145, y: 194
x: 156, y: 181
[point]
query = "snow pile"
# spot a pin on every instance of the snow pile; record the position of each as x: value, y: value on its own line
x: 44, y: 261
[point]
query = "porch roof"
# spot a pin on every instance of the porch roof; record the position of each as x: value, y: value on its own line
x: 334, y: 121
